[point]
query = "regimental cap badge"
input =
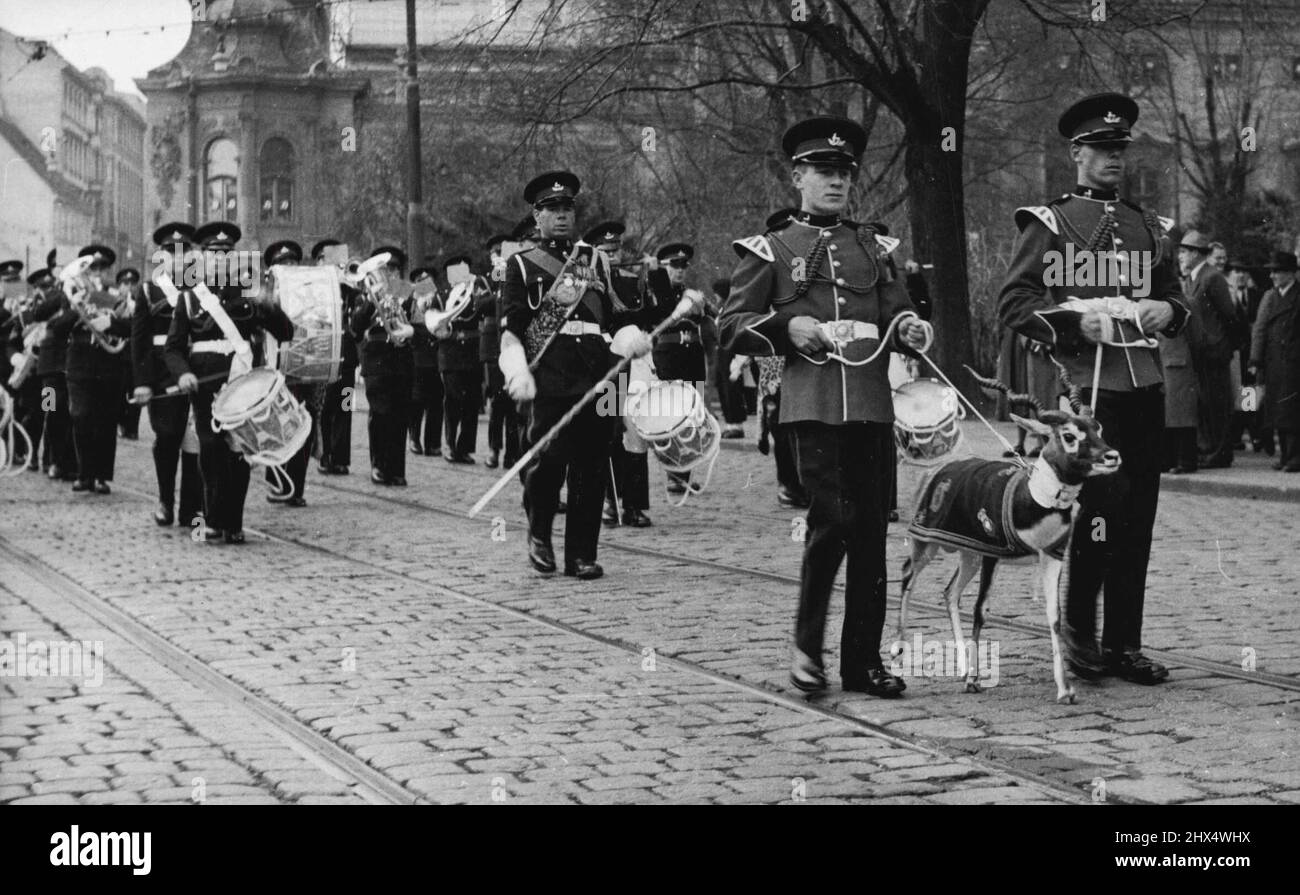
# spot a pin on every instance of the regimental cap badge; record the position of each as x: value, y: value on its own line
x: 1111, y: 118
x: 835, y: 140
x: 611, y: 236
x: 558, y: 187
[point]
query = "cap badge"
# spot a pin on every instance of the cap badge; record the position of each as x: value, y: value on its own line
x: 558, y: 187
x: 835, y: 140
x: 610, y: 236
x: 1111, y: 118
x: 221, y: 234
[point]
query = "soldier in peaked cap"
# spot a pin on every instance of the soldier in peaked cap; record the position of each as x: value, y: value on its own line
x: 48, y: 422
x: 286, y: 251
x: 1104, y: 325
x: 606, y: 236
x: 336, y: 402
x: 426, y: 390
x: 557, y: 311
x: 174, y: 439
x: 218, y: 239
x: 820, y: 284
x: 127, y: 286
x: 387, y: 368
x: 503, y: 419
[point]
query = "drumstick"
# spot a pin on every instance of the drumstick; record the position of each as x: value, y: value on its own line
x: 173, y: 390
x: 684, y: 307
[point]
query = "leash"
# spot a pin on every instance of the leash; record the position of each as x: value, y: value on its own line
x: 996, y: 434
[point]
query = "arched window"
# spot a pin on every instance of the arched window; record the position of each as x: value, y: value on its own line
x: 276, y: 169
x: 221, y: 178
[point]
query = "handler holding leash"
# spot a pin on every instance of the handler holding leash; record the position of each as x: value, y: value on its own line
x: 817, y: 290
x: 1104, y: 335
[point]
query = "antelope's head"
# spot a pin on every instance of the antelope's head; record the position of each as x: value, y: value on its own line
x: 1075, y: 449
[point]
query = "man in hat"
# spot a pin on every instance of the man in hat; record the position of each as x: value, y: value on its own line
x: 287, y: 253
x: 815, y: 285
x: 1246, y: 297
x: 210, y: 339
x: 503, y: 421
x: 336, y: 403
x: 174, y: 439
x: 1103, y: 330
x: 554, y: 363
x: 45, y: 396
x: 1212, y: 342
x: 458, y: 364
x: 127, y: 287
x: 94, y: 337
x: 221, y: 271
x: 1275, y: 359
x: 426, y: 391
x: 10, y: 294
x: 386, y: 367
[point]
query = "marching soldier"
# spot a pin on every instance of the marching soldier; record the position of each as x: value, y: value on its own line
x: 1104, y: 335
x: 11, y: 297
x: 458, y: 363
x: 94, y: 337
x: 503, y: 423
x: 386, y: 367
x: 817, y: 285
x: 627, y: 496
x: 288, y: 252
x: 557, y: 311
x: 168, y: 416
x: 426, y: 390
x: 336, y: 405
x: 128, y: 287
x: 209, y: 341
x: 50, y: 400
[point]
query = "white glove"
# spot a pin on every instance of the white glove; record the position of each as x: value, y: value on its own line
x: 514, y: 366
x: 16, y: 360
x: 630, y: 341
x: 737, y: 368
x: 100, y: 323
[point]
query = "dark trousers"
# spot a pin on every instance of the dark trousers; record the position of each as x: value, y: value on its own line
x: 583, y: 448
x: 94, y: 404
x: 426, y: 406
x: 730, y: 394
x: 462, y: 390
x: 30, y: 414
x: 390, y: 398
x: 58, y: 447
x: 846, y: 469
x: 167, y: 418
x: 789, y: 469
x: 1214, y: 410
x: 296, y: 467
x: 1289, y: 447
x: 1180, y: 448
x: 629, y: 484
x: 336, y: 421
x: 225, y: 474
x: 504, y: 422
x: 1111, y: 545
x: 129, y: 419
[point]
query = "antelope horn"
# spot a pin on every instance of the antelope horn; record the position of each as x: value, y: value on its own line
x: 1012, y: 397
x: 1072, y: 389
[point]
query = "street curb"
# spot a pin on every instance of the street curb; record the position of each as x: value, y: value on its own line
x: 1178, y: 484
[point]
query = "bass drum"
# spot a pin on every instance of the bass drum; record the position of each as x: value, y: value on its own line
x: 311, y: 298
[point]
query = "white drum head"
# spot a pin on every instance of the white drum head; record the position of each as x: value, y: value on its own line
x: 662, y: 408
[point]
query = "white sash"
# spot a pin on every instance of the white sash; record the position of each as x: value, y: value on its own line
x: 242, y: 361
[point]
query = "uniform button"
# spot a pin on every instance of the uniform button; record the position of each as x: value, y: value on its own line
x: 843, y: 301
x: 839, y: 281
x: 836, y: 263
x: 826, y: 233
x: 1110, y: 209
x: 1118, y: 241
x: 833, y: 246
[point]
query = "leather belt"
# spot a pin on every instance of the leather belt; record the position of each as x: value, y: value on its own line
x: 213, y: 346
x: 160, y: 340
x: 845, y: 331
x: 580, y: 328
x: 679, y: 337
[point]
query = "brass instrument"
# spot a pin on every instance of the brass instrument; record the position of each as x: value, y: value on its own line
x: 458, y: 300
x: 79, y: 289
x: 374, y: 282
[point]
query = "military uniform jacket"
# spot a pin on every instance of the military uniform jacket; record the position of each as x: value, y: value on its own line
x: 151, y: 320
x: 424, y: 348
x: 191, y: 325
x: 379, y: 357
x: 1052, y: 235
x: 573, y: 363
x: 679, y: 350
x: 487, y: 304
x: 350, y: 357
x: 52, y: 351
x: 847, y: 280
x: 459, y: 350
x: 85, y: 360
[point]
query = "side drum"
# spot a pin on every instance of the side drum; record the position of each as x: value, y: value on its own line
x: 260, y: 418
x: 927, y: 414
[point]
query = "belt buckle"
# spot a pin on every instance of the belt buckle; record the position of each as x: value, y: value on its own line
x: 686, y: 338
x: 842, y: 331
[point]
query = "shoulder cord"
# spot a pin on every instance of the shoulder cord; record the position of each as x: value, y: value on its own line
x: 813, y: 261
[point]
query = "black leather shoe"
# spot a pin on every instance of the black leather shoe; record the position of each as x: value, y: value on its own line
x: 460, y: 459
x: 55, y: 472
x: 807, y: 679
x: 583, y: 569
x: 163, y: 515
x: 1084, y: 662
x: 211, y: 535
x: 101, y: 487
x: 1136, y: 668
x: 81, y: 485
x: 417, y: 448
x: 399, y: 481
x: 876, y: 682
x: 610, y: 515
x: 541, y: 555
x: 296, y: 502
x: 326, y: 469
x: 34, y: 465
x: 637, y: 519
x: 235, y: 537
x: 493, y: 460
x: 676, y: 486
x: 433, y: 452
x: 377, y: 477
x: 788, y: 498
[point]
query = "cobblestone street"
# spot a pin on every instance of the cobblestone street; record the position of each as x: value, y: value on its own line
x: 379, y: 646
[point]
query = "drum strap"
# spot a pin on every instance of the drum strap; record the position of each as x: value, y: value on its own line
x: 242, y: 362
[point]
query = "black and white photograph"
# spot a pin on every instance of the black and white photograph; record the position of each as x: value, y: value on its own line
x: 651, y: 402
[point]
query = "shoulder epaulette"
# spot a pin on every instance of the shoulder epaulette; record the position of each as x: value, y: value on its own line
x: 887, y: 243
x: 1041, y: 212
x: 756, y: 244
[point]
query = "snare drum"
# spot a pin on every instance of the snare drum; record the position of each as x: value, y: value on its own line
x: 310, y: 297
x: 259, y: 417
x: 926, y: 420
x: 672, y: 419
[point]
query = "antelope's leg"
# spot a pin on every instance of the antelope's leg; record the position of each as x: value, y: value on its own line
x: 1051, y: 572
x: 986, y: 581
x: 968, y: 563
x: 922, y: 553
